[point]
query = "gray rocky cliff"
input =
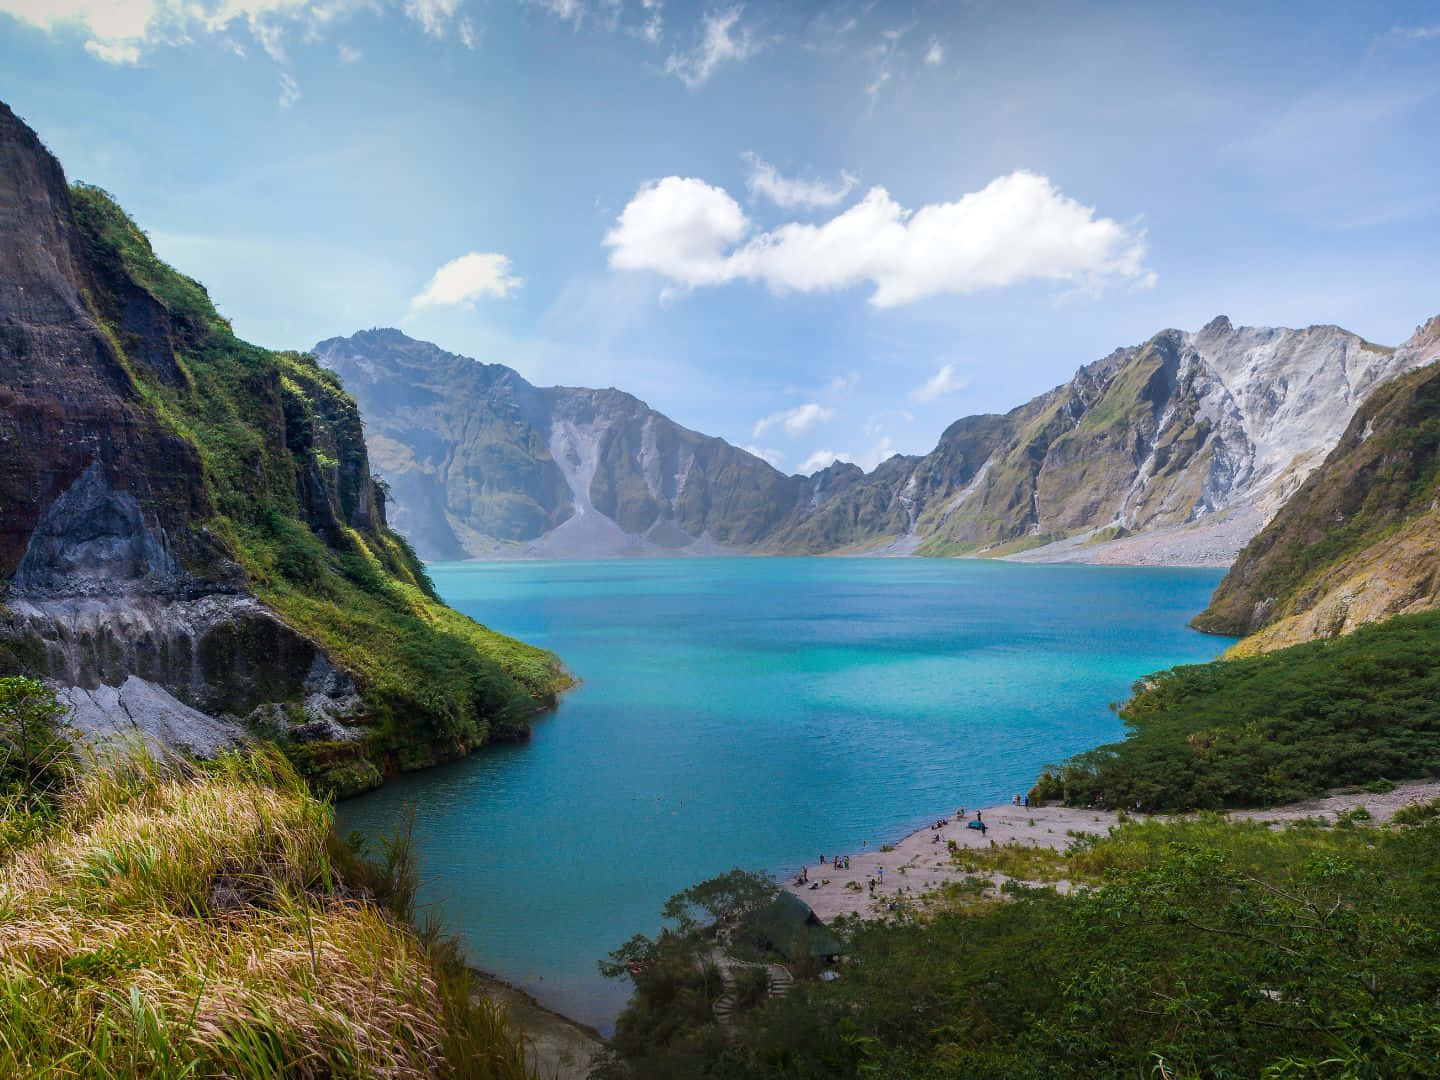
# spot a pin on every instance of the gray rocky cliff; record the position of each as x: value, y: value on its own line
x: 1175, y: 451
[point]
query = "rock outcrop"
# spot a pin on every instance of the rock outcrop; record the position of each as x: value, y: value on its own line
x: 1176, y: 451
x: 1360, y: 540
x: 191, y: 544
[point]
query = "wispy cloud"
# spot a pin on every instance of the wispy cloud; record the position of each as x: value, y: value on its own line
x: 123, y: 31
x: 289, y: 91
x: 935, y: 54
x: 722, y: 41
x: 945, y: 381
x: 775, y: 457
x: 820, y: 459
x: 462, y: 281
x: 795, y: 421
x: 788, y: 192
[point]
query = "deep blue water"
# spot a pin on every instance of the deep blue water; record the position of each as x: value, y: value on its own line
x: 756, y: 712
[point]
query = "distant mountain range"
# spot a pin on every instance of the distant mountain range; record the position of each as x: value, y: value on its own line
x: 1176, y: 451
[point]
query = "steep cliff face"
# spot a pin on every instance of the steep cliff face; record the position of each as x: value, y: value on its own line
x: 481, y: 463
x: 1360, y: 540
x: 1175, y: 451
x: 191, y: 543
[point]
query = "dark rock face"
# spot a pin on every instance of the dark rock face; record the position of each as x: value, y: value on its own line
x: 67, y: 404
x: 94, y: 541
x: 111, y: 573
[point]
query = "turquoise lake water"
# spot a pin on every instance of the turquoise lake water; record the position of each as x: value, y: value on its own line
x: 756, y: 712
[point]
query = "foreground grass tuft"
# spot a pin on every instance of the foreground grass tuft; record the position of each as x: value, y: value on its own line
x: 171, y: 921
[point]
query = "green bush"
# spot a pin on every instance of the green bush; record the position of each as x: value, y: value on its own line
x: 1208, y: 949
x: 1363, y: 709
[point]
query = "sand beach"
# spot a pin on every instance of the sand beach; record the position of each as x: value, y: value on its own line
x: 921, y: 862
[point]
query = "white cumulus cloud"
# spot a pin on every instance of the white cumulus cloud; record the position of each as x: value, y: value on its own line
x: 722, y: 41
x: 821, y: 459
x: 945, y: 381
x: 935, y: 54
x: 795, y: 421
x: 680, y: 227
x: 1018, y: 228
x: 467, y: 279
x: 787, y: 192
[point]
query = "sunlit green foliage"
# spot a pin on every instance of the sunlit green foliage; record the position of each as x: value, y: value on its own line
x: 1272, y: 728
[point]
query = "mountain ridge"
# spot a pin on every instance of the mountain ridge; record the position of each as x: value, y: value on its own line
x: 1175, y: 451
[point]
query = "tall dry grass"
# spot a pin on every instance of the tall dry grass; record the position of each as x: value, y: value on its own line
x: 168, y: 920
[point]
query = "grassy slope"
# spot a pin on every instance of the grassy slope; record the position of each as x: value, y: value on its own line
x: 160, y: 922
x: 438, y: 683
x: 1273, y: 728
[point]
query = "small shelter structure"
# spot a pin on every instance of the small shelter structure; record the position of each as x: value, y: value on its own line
x: 792, y: 929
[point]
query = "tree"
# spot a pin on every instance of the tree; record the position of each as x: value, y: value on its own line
x: 34, y: 741
x: 728, y: 896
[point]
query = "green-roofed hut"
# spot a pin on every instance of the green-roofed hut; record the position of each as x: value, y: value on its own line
x: 792, y: 929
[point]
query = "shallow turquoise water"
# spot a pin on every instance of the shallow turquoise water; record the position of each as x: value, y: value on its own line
x: 757, y: 712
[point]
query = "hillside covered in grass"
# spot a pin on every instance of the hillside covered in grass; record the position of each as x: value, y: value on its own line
x: 1272, y: 728
x: 160, y: 919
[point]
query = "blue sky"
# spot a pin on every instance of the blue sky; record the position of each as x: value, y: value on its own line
x: 810, y: 228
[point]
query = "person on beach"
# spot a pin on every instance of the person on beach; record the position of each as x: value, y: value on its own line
x: 880, y: 873
x: 822, y: 858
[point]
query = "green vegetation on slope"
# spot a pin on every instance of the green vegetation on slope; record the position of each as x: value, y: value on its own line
x: 304, y: 521
x: 1268, y: 729
x: 162, y: 920
x: 1200, y: 949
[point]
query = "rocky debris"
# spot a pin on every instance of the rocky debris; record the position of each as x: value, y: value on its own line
x: 1358, y: 541
x: 137, y: 709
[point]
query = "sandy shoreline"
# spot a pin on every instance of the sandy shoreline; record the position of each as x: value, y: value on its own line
x: 921, y: 861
